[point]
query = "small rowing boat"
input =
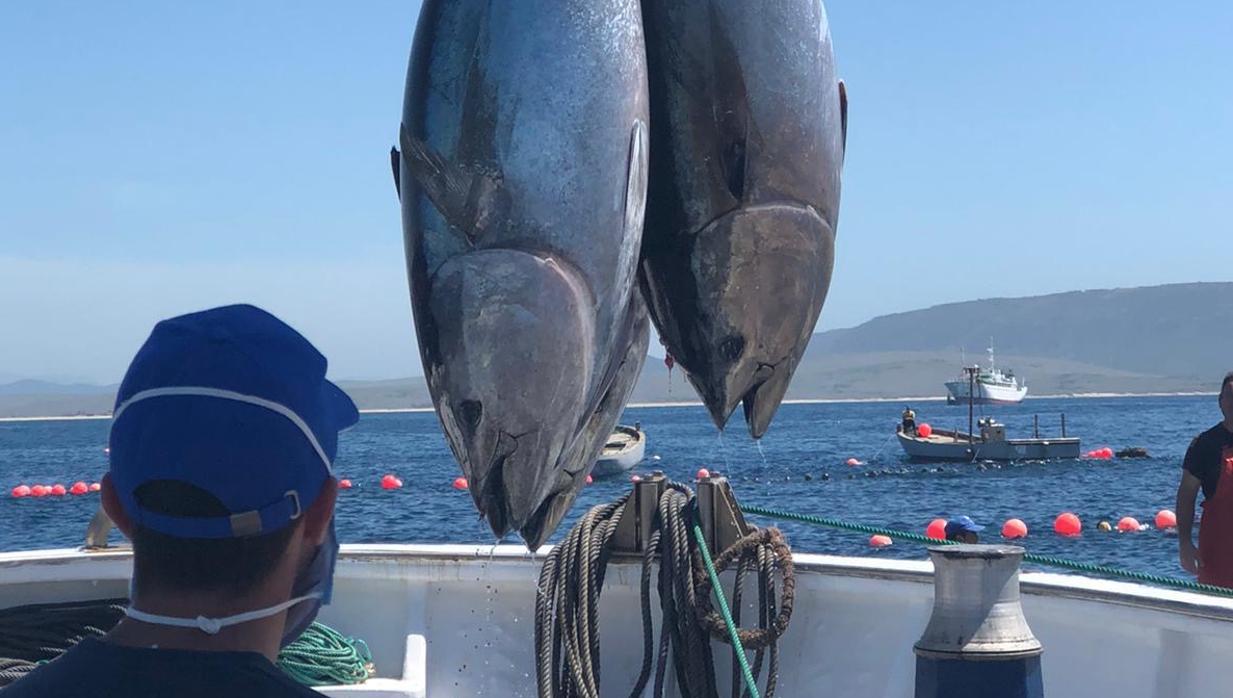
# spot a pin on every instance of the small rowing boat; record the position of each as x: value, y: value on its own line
x: 625, y: 449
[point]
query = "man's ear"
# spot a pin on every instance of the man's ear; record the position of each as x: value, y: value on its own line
x: 113, y: 509
x: 318, y: 516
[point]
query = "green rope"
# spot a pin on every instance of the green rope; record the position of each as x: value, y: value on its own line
x: 1046, y: 560
x: 324, y: 657
x: 727, y: 614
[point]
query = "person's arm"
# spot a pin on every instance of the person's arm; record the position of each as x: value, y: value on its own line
x: 1187, y: 491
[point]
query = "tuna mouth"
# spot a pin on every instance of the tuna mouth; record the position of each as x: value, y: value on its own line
x: 490, y: 496
x: 534, y: 531
x: 761, y: 398
x: 491, y: 500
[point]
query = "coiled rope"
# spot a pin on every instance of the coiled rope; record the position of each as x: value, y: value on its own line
x: 38, y: 633
x: 567, y: 646
x: 322, y: 656
x: 1046, y: 560
x: 33, y: 635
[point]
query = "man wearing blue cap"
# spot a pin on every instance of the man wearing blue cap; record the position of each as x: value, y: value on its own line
x: 963, y: 529
x: 222, y: 445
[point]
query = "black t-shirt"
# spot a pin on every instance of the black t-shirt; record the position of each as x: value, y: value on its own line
x: 97, y: 669
x: 1205, y: 457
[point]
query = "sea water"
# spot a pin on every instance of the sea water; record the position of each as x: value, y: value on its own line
x: 799, y: 466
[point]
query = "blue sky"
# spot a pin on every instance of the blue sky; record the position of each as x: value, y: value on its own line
x: 162, y: 157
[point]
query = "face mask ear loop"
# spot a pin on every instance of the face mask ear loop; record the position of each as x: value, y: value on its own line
x: 211, y: 626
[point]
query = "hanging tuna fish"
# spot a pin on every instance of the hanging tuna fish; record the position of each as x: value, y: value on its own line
x: 747, y: 140
x: 522, y: 177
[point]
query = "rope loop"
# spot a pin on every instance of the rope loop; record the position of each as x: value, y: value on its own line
x: 771, y: 539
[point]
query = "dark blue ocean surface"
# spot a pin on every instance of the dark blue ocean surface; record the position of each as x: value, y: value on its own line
x: 814, y: 439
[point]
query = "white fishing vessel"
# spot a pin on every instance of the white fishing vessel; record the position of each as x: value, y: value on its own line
x: 626, y: 448
x: 455, y: 621
x: 993, y: 386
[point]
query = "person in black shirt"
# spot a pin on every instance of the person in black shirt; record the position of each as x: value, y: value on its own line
x: 222, y: 443
x: 1209, y: 466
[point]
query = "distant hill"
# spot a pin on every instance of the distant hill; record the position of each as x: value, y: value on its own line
x: 34, y: 387
x: 1181, y: 330
x: 1176, y: 338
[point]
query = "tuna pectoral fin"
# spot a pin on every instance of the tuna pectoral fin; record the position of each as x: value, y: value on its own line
x: 470, y: 202
x: 395, y: 159
x: 843, y: 114
x: 514, y: 333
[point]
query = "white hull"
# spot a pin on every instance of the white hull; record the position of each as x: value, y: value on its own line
x: 626, y: 448
x: 986, y: 393
x: 457, y: 621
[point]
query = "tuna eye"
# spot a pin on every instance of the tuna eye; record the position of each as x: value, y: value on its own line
x: 732, y: 347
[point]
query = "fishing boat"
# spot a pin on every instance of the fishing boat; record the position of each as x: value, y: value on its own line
x: 990, y: 443
x: 992, y: 386
x: 626, y: 448
x: 925, y: 443
x: 456, y: 621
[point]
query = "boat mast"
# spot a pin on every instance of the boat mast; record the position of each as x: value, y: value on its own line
x: 971, y: 371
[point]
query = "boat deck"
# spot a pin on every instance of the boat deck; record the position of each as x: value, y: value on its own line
x: 457, y: 621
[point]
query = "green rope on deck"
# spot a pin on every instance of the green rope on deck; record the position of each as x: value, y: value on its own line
x: 726, y: 613
x: 324, y: 657
x: 1047, y: 560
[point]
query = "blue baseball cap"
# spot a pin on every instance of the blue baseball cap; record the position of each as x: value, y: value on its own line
x: 235, y: 402
x: 962, y: 523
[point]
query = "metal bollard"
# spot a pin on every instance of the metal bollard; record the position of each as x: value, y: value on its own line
x: 977, y: 643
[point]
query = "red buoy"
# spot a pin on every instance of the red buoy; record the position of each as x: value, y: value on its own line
x: 1014, y: 528
x: 703, y: 473
x: 79, y: 488
x: 936, y: 529
x: 1067, y: 524
x: 853, y: 462
x: 344, y: 484
x: 590, y: 479
x: 21, y: 491
x: 1166, y: 519
x: 95, y: 487
x: 923, y: 430
x: 880, y: 541
x: 58, y: 490
x: 1128, y: 524
x: 460, y: 483
x: 389, y: 482
x: 38, y: 491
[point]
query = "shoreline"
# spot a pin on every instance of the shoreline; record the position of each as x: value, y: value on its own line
x: 696, y: 403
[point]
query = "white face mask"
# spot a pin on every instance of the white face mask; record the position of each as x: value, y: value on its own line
x: 314, y: 586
